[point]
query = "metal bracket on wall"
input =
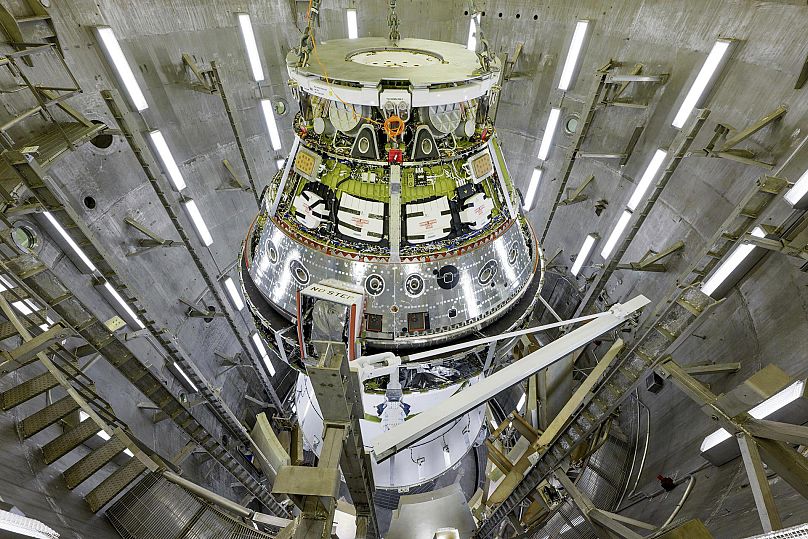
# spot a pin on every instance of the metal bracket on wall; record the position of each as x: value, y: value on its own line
x: 233, y: 183
x: 510, y: 62
x: 204, y: 77
x: 153, y: 240
x: 649, y: 262
x: 619, y: 83
x: 576, y: 195
x: 194, y: 311
x: 723, y: 146
x: 803, y: 76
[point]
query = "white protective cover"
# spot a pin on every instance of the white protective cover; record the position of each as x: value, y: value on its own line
x: 477, y: 211
x: 310, y: 209
x: 360, y: 218
x: 428, y: 221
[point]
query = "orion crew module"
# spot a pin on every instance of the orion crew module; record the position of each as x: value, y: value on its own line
x: 395, y: 192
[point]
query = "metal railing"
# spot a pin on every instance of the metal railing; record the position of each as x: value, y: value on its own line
x: 157, y: 509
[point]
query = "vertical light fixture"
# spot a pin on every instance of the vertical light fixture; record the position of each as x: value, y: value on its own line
x: 238, y: 303
x: 532, y: 189
x: 573, y: 55
x: 67, y: 239
x: 272, y: 126
x: 617, y: 232
x: 583, y: 254
x: 199, y: 222
x: 730, y: 264
x: 124, y: 72
x: 252, y: 47
x: 797, y: 193
x: 549, y: 133
x: 353, y: 28
x: 169, y: 164
x: 259, y: 346
x: 521, y: 402
x: 646, y: 179
x: 706, y: 75
x: 125, y: 306
x: 185, y: 376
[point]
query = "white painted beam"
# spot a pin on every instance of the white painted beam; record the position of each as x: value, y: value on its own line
x: 460, y: 403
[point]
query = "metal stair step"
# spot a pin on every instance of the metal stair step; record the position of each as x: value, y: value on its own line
x: 47, y: 416
x: 27, y: 390
x: 91, y: 463
x: 114, y: 484
x: 69, y: 440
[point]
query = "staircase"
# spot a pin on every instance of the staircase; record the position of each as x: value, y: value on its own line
x: 28, y: 27
x: 62, y: 373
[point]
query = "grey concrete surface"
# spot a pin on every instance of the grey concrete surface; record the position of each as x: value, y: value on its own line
x: 764, y: 320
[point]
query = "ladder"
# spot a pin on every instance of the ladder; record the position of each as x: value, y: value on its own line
x: 677, y: 322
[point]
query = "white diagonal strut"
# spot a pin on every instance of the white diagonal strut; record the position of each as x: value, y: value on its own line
x: 460, y: 403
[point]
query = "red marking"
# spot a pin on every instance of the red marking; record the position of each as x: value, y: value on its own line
x: 352, y: 334
x: 395, y: 156
x: 300, y: 326
x: 359, y: 221
x: 428, y: 223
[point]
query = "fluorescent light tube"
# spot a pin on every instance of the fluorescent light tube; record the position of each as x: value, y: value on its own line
x: 573, y: 55
x: 185, y: 376
x: 125, y: 306
x: 199, y: 223
x: 353, y: 29
x: 66, y: 237
x: 614, y: 237
x: 259, y: 346
x: 532, y: 188
x: 472, y: 41
x: 252, y: 47
x: 169, y: 164
x: 5, y: 284
x: 646, y: 179
x: 124, y: 71
x: 583, y: 254
x: 549, y: 132
x: 797, y: 193
x: 522, y: 401
x: 272, y: 126
x: 234, y: 295
x: 25, y: 306
x: 697, y: 90
x: 778, y: 400
x: 728, y: 266
x: 761, y: 411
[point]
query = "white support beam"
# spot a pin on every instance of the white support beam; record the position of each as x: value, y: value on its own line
x: 764, y: 500
x: 460, y: 403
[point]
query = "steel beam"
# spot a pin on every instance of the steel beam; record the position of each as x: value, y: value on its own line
x: 744, y: 134
x: 711, y: 368
x: 764, y: 500
x: 29, y: 348
x: 455, y: 406
x: 604, y: 525
x: 774, y: 430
